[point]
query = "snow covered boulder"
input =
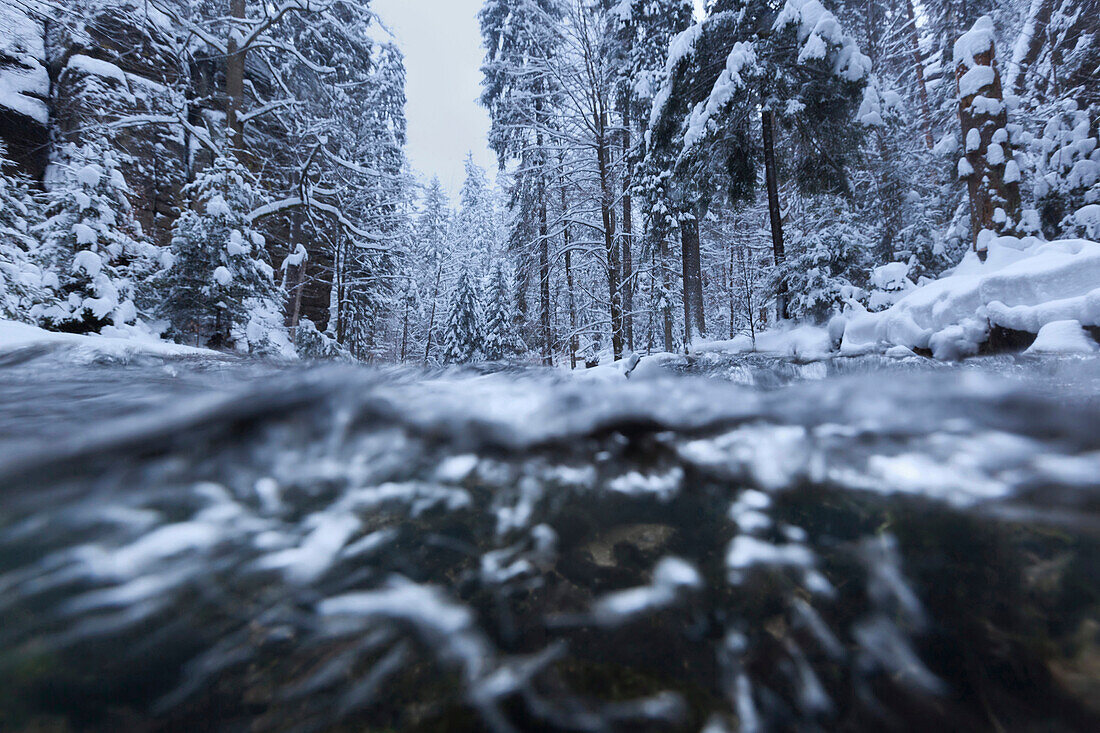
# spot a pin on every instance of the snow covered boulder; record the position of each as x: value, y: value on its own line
x: 1063, y: 337
x: 1023, y: 285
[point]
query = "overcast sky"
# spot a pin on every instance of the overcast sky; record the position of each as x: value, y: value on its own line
x: 443, y: 56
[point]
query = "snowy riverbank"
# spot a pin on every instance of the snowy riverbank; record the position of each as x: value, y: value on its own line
x: 1024, y: 285
x: 1046, y: 292
x: 123, y: 344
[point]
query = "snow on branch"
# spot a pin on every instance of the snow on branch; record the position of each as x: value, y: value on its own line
x: 293, y: 202
x: 741, y: 60
x: 680, y: 49
x: 269, y: 107
x: 818, y: 29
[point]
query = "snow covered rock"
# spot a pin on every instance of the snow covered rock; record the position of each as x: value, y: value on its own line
x: 24, y: 87
x: 117, y: 60
x: 1063, y: 337
x: 889, y: 283
x: 1023, y: 285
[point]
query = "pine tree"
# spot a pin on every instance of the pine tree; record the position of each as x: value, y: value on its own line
x: 219, y: 290
x: 92, y: 245
x: 428, y: 261
x: 799, y: 72
x: 519, y: 90
x: 476, y: 225
x: 462, y: 336
x: 829, y: 259
x: 21, y: 285
x: 501, y: 340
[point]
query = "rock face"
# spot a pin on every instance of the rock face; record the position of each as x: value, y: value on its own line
x: 117, y: 67
x: 24, y: 89
x: 61, y: 83
x: 113, y: 71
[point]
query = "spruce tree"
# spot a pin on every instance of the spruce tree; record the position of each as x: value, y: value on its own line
x: 798, y: 72
x: 220, y: 290
x: 828, y: 261
x: 520, y: 90
x: 20, y: 278
x: 476, y: 224
x: 501, y: 339
x: 92, y: 245
x: 1065, y: 170
x: 428, y: 262
x: 462, y: 336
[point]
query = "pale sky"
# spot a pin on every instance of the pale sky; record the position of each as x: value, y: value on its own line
x: 443, y: 56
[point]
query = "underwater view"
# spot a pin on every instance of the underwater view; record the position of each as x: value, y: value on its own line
x: 739, y: 543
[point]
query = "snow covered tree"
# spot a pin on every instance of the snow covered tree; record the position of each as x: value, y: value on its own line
x: 1066, y: 173
x: 992, y: 175
x: 220, y: 290
x: 640, y: 34
x: 462, y: 336
x: 521, y: 37
x: 20, y: 278
x: 829, y: 259
x: 91, y: 245
x: 428, y: 261
x: 799, y: 71
x: 501, y: 339
x: 476, y: 225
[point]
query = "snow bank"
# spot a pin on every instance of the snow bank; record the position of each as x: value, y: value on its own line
x: 129, y: 342
x: 1024, y: 285
x: 800, y: 341
x: 1063, y: 337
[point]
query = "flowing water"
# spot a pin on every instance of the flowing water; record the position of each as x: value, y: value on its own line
x: 728, y: 544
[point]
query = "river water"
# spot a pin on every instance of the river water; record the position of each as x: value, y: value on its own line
x: 725, y: 544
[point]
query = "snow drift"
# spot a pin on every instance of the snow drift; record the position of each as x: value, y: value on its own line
x: 1024, y: 285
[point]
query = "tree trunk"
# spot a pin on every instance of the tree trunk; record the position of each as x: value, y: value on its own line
x: 918, y: 66
x: 522, y: 284
x: 544, y: 283
x: 772, y: 180
x: 666, y: 307
x: 732, y: 293
x: 405, y: 331
x: 694, y: 321
x: 234, y: 80
x: 992, y: 176
x: 544, y: 250
x: 295, y: 279
x: 337, y: 318
x: 431, y: 317
x: 573, y: 338
x: 607, y: 204
x: 627, y: 237
x: 891, y: 195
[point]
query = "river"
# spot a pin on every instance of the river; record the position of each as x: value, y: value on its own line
x: 730, y: 543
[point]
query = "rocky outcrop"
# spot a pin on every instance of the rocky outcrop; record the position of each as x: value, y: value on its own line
x: 24, y: 89
x: 115, y: 71
x: 116, y: 75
